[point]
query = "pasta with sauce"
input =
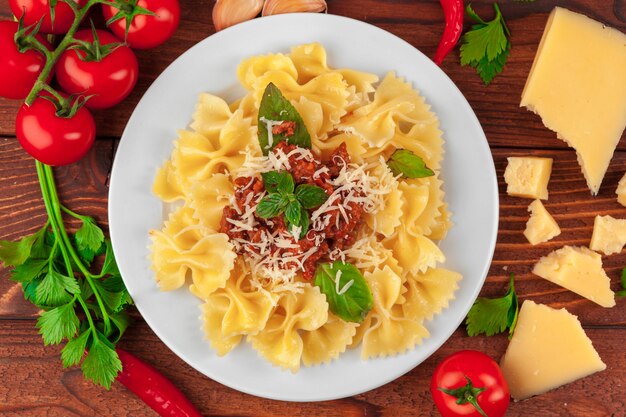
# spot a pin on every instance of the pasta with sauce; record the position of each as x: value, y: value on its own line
x: 255, y: 275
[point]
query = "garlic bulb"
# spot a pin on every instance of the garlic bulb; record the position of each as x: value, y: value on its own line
x: 272, y: 7
x: 230, y: 12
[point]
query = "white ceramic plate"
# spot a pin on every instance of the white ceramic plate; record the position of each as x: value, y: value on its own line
x: 468, y: 173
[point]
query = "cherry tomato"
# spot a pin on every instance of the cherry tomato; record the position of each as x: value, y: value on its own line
x: 36, y: 9
x: 475, y: 377
x: 51, y: 139
x: 109, y: 80
x: 145, y: 31
x: 18, y: 71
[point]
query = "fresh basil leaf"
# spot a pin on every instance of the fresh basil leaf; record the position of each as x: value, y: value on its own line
x: 310, y: 196
x: 406, y: 163
x: 271, y: 205
x: 275, y: 107
x: 293, y: 212
x: 275, y: 181
x: 353, y: 304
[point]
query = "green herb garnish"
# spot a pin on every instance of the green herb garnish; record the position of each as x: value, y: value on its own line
x: 349, y: 296
x: 494, y: 315
x: 486, y: 46
x: 53, y: 267
x: 622, y: 292
x: 406, y: 163
x: 275, y: 107
x: 285, y: 198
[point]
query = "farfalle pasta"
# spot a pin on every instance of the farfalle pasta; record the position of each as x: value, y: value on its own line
x: 284, y: 208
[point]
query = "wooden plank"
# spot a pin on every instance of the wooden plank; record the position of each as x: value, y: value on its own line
x: 420, y: 24
x: 84, y: 188
x: 34, y: 383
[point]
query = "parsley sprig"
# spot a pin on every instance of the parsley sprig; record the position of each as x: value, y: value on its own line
x: 494, y: 315
x: 486, y: 46
x: 285, y: 198
x: 83, y: 307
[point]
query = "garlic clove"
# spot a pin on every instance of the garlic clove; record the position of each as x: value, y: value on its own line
x: 272, y: 7
x: 230, y: 12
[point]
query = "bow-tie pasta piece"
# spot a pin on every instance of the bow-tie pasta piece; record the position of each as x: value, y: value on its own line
x: 280, y: 341
x: 429, y: 293
x: 208, y: 199
x: 211, y: 115
x: 253, y: 68
x: 328, y: 342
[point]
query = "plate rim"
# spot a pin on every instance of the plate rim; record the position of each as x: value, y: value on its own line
x: 475, y: 290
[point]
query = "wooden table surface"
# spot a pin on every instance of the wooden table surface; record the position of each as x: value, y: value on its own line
x: 34, y: 383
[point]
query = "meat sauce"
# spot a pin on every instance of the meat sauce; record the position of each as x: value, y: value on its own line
x: 339, y: 232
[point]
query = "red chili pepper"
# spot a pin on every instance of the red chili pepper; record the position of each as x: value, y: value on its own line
x: 453, y: 11
x: 153, y: 388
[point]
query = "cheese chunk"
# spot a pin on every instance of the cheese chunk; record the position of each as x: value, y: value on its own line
x: 621, y: 191
x: 541, y: 226
x: 579, y: 270
x: 577, y: 84
x: 609, y: 235
x: 549, y: 348
x: 528, y: 176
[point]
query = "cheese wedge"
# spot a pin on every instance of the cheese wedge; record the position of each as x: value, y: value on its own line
x: 579, y: 270
x: 549, y: 348
x: 609, y: 235
x: 541, y: 226
x: 621, y: 191
x: 577, y: 84
x: 528, y: 176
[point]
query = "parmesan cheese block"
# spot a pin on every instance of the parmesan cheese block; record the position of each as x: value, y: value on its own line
x: 577, y: 84
x: 579, y: 270
x: 528, y: 176
x: 549, y: 348
x: 541, y: 226
x: 609, y: 235
x: 621, y: 191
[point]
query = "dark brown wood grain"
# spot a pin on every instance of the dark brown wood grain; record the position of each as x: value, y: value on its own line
x: 39, y: 385
x: 35, y: 384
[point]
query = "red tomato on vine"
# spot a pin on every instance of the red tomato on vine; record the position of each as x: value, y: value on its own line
x: 98, y: 66
x: 18, y: 71
x: 34, y: 10
x: 51, y: 138
x: 470, y: 384
x: 145, y: 31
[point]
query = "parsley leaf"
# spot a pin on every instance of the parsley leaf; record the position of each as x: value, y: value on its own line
x: 16, y: 253
x: 89, y: 236
x: 55, y: 289
x: 622, y: 292
x: 29, y: 270
x: 74, y: 349
x: 353, y: 303
x: 102, y: 363
x: 57, y: 324
x: 485, y: 46
x: 406, y: 163
x: 494, y: 315
x: 110, y: 265
x: 276, y: 107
